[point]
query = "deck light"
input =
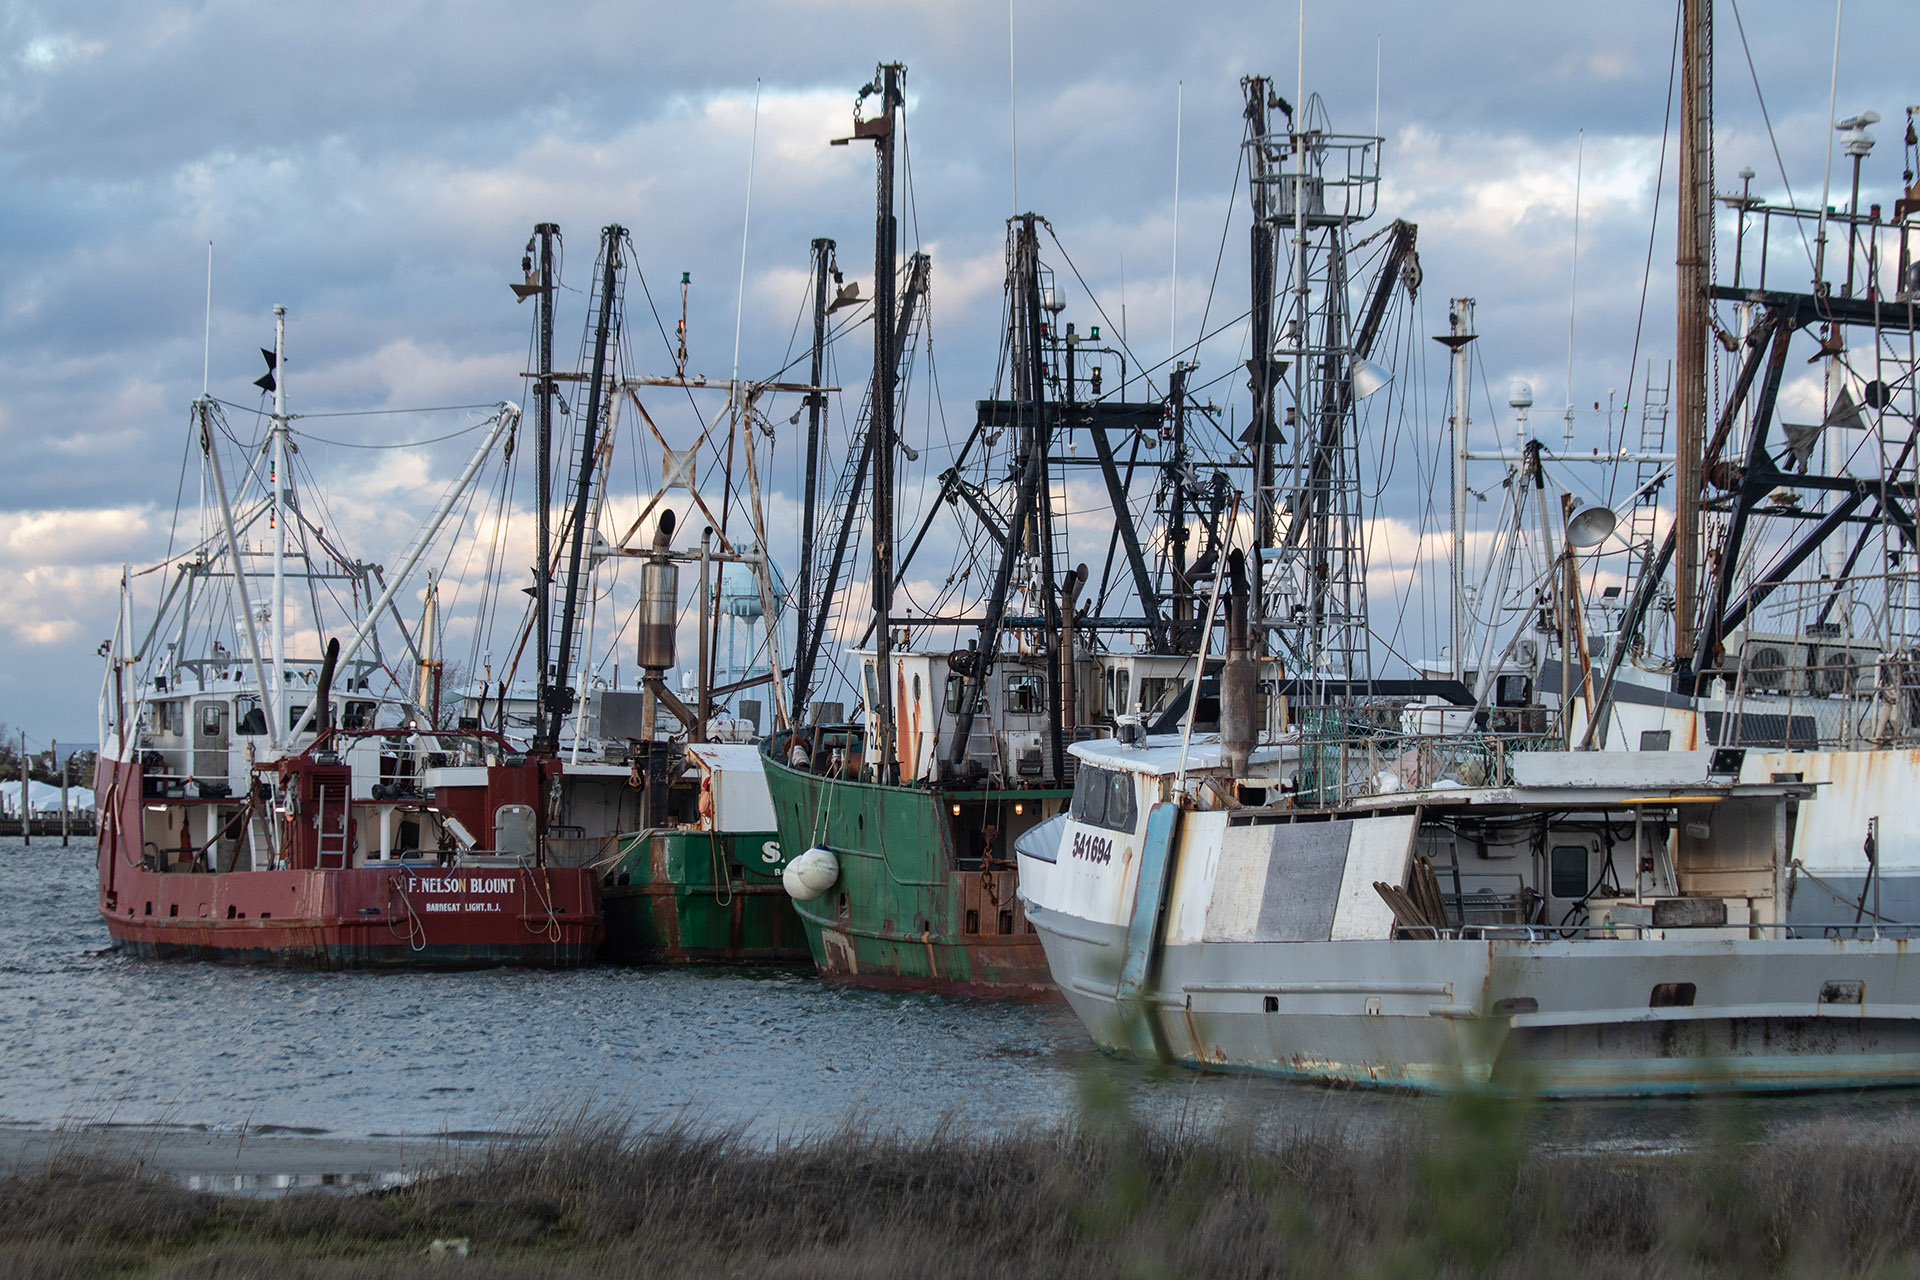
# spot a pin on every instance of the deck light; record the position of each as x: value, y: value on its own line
x: 1367, y: 377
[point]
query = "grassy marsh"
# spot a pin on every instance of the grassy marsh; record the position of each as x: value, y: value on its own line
x: 1464, y: 1192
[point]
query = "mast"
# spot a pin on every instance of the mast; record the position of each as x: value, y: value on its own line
x: 1260, y: 430
x: 1457, y: 339
x: 823, y: 268
x: 279, y: 469
x: 1041, y: 501
x: 1177, y: 508
x: 885, y: 381
x: 1028, y: 368
x: 561, y: 699
x: 545, y: 233
x: 1690, y: 352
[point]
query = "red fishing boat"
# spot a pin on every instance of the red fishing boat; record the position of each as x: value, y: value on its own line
x: 262, y: 807
x: 317, y: 863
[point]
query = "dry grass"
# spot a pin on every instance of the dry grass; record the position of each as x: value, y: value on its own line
x: 1463, y: 1195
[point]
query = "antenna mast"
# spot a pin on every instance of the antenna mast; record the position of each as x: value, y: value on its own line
x: 544, y: 235
x: 885, y: 380
x: 1690, y: 350
x: 279, y: 467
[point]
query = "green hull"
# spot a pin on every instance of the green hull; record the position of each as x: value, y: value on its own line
x: 926, y: 900
x: 690, y: 896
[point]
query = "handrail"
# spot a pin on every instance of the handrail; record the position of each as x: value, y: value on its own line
x: 1802, y: 932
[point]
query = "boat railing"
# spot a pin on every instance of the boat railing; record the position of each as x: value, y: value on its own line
x: 1856, y: 240
x: 1349, y: 754
x: 1330, y: 178
x: 1869, y: 931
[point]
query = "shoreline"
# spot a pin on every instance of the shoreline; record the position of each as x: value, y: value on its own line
x: 1466, y: 1192
x: 250, y: 1162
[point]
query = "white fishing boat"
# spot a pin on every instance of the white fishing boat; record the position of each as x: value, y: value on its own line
x: 1572, y: 865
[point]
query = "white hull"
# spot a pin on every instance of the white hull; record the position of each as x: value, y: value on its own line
x: 1255, y: 939
x: 1433, y: 1014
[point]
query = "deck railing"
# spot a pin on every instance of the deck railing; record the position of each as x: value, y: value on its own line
x: 1347, y: 754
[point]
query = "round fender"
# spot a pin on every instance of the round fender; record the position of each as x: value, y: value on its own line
x: 811, y: 874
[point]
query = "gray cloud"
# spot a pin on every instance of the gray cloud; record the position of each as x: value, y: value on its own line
x: 376, y: 167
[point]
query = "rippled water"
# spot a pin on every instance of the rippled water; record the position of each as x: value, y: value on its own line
x: 90, y: 1037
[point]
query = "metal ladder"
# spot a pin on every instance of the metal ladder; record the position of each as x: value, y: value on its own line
x: 330, y: 806
x: 260, y: 840
x: 833, y: 593
x: 581, y: 442
x: 1654, y: 403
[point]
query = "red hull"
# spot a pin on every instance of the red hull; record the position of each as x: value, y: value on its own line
x: 361, y: 918
x: 367, y: 917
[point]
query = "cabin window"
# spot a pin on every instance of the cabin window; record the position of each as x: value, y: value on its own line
x: 212, y: 719
x: 1118, y: 701
x: 1153, y: 692
x: 1567, y: 871
x: 294, y: 713
x: 170, y: 716
x: 249, y: 720
x: 359, y: 715
x: 1104, y: 798
x: 873, y: 688
x: 1090, y: 795
x: 957, y: 692
x: 1120, y: 801
x: 916, y: 691
x: 1026, y: 693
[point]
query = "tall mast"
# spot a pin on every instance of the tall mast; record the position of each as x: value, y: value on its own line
x: 279, y: 468
x: 1690, y: 351
x: 561, y: 699
x: 543, y: 387
x: 1458, y: 337
x: 1041, y: 500
x: 823, y: 269
x: 1260, y: 339
x: 885, y: 378
x: 1027, y: 365
x: 1177, y: 510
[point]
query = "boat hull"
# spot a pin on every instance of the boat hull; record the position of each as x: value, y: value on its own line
x: 360, y: 918
x: 381, y: 915
x: 1526, y: 1017
x: 693, y: 897
x: 906, y: 913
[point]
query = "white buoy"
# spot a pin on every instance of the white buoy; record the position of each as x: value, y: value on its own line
x: 811, y: 874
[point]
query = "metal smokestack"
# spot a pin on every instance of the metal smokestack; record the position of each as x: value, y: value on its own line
x: 659, y: 601
x: 1239, y: 681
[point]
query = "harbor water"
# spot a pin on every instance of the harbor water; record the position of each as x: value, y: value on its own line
x: 93, y: 1039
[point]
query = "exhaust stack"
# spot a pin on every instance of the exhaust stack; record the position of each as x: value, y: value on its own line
x: 1239, y: 681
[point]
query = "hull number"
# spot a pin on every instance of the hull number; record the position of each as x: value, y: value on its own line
x: 1093, y: 848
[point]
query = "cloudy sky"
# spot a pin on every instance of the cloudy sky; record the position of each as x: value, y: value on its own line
x: 376, y: 168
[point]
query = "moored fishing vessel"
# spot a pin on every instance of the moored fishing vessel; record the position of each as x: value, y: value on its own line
x: 1465, y: 891
x: 907, y: 811
x: 263, y: 806
x: 654, y: 789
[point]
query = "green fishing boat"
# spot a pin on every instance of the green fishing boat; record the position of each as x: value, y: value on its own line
x: 900, y: 821
x: 706, y: 886
x: 925, y: 897
x: 658, y: 788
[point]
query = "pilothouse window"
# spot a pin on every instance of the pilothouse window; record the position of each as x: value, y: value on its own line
x: 1025, y: 693
x: 1120, y: 801
x: 249, y: 720
x: 1104, y: 798
x: 1090, y: 795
